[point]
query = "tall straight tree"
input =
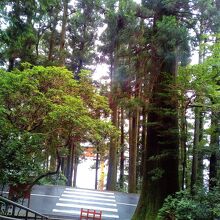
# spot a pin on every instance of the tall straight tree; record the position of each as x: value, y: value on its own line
x: 29, y: 32
x: 119, y: 18
x: 214, y: 145
x: 160, y: 177
x: 53, y: 14
x: 63, y: 32
x: 18, y: 36
x: 82, y: 31
x: 215, y: 117
x: 133, y: 143
x: 110, y: 37
x: 203, y: 9
x: 122, y: 151
x: 207, y: 17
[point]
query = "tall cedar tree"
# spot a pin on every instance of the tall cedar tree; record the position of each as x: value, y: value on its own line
x: 19, y: 33
x: 110, y: 50
x: 82, y: 31
x: 160, y: 177
x: 215, y: 122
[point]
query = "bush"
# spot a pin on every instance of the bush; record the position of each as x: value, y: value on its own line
x: 183, y: 206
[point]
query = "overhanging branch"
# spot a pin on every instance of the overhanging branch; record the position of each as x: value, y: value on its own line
x: 49, y: 173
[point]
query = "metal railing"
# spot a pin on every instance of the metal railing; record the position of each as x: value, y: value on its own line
x: 2, y: 217
x: 12, y: 210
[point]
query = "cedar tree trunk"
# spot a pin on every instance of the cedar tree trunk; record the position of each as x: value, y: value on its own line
x: 160, y: 177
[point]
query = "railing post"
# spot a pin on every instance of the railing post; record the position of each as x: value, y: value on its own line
x: 13, y: 211
x: 26, y: 214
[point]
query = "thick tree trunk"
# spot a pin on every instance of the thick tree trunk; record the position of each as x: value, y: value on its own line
x: 112, y: 168
x: 114, y: 59
x: 132, y: 176
x: 161, y: 162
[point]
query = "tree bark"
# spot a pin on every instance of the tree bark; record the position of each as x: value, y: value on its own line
x: 102, y: 174
x: 96, y: 170
x: 214, y: 146
x: 215, y: 138
x: 133, y: 135
x: 70, y: 157
x: 196, y: 172
x: 122, y: 149
x: 112, y: 168
x: 63, y: 33
x: 75, y: 168
x: 52, y: 36
x: 161, y: 161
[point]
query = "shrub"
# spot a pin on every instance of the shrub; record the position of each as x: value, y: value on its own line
x: 183, y: 206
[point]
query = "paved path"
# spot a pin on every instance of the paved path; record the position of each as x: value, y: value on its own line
x: 62, y: 201
x: 72, y: 200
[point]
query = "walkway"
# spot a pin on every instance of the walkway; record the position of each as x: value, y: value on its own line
x: 66, y: 202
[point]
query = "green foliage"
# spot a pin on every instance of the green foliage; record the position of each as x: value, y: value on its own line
x: 170, y: 35
x: 20, y: 157
x: 202, y: 80
x: 181, y: 206
x: 40, y: 109
x: 58, y: 179
x: 82, y: 31
x: 19, y: 32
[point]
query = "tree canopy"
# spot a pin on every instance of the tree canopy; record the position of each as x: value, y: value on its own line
x: 41, y: 108
x: 154, y: 119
